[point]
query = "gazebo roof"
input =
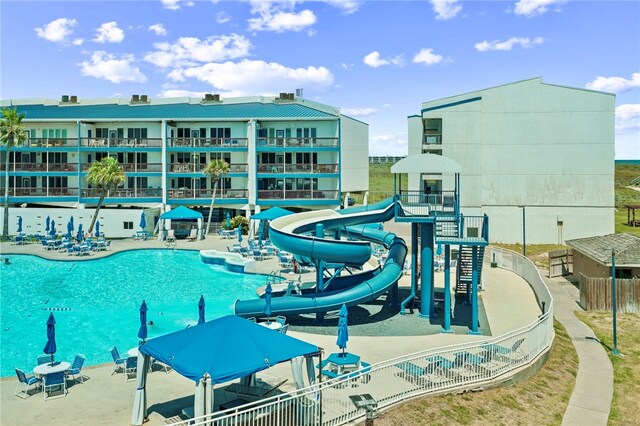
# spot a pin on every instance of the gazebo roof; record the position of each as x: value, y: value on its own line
x: 426, y: 163
x: 626, y: 246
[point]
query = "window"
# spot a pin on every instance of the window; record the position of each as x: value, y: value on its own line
x: 102, y: 132
x: 432, y: 131
x: 220, y: 132
x: 58, y: 182
x: 137, y: 133
x: 127, y: 225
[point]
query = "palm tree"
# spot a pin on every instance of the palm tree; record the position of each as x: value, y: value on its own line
x: 105, y: 175
x: 215, y: 169
x: 12, y: 134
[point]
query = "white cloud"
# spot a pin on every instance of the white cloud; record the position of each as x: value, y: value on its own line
x: 392, y: 143
x: 279, y: 17
x: 524, y: 42
x: 359, y: 112
x: 107, y: 66
x: 57, y: 30
x: 531, y: 8
x: 374, y: 60
x: 180, y: 93
x: 615, y: 84
x: 158, y: 29
x: 187, y: 51
x: 175, y: 4
x: 347, y: 6
x: 627, y: 118
x: 109, y: 33
x: 222, y: 17
x: 77, y: 42
x: 249, y: 77
x: 427, y: 57
x: 445, y: 9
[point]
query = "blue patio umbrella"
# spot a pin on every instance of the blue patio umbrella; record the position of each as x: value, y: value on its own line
x: 439, y: 250
x: 69, y: 228
x: 97, y: 228
x: 80, y: 235
x: 143, y: 221
x: 267, y: 299
x: 142, y: 332
x: 228, y: 220
x: 201, y: 310
x: 50, y: 347
x: 52, y: 230
x: 343, y: 330
x: 239, y: 233
x: 19, y: 224
x: 48, y: 222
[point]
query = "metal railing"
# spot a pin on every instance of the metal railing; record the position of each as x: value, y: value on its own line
x: 49, y: 143
x: 457, y: 367
x: 418, y: 203
x: 199, y: 168
x: 208, y: 142
x: 122, y: 193
x: 298, y: 168
x: 40, y: 192
x: 296, y: 194
x: 207, y: 193
x: 265, y: 143
x: 133, y: 167
x: 120, y: 142
x: 41, y: 167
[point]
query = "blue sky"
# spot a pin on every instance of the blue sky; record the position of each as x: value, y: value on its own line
x: 376, y: 60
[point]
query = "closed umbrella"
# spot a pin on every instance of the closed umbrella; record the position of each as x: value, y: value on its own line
x: 72, y: 223
x: 48, y: 222
x: 143, y: 221
x: 50, y: 347
x: 228, y: 220
x: 343, y: 330
x: 79, y: 236
x: 69, y: 228
x: 19, y: 224
x: 52, y: 230
x: 267, y: 300
x: 97, y: 228
x: 439, y: 250
x: 201, y: 310
x: 239, y: 233
x: 142, y: 332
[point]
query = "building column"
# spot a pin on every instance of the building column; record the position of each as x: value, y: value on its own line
x: 426, y: 274
x: 474, y: 291
x: 447, y: 291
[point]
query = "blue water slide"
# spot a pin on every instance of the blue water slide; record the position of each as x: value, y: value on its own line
x: 364, y: 287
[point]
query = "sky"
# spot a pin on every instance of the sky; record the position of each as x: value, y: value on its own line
x: 376, y: 60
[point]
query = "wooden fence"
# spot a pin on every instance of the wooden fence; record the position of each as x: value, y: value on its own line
x: 560, y: 262
x: 595, y: 294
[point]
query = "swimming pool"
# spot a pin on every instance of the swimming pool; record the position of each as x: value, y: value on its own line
x: 96, y: 302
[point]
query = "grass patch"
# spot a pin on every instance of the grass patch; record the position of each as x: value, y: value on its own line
x: 542, y: 399
x: 537, y: 253
x: 626, y: 369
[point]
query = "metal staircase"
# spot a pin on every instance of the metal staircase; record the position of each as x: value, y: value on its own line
x: 463, y: 267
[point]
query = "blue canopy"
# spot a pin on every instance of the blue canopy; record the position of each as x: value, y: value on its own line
x: 181, y: 213
x: 271, y: 214
x: 227, y: 348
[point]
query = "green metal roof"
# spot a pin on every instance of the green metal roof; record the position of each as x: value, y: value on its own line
x: 254, y: 110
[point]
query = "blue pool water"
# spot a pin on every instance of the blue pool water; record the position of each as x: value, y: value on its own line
x: 96, y: 302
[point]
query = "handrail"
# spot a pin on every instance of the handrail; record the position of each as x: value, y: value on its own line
x: 430, y: 371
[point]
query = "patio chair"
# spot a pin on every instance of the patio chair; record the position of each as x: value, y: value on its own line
x: 193, y: 235
x: 118, y: 361
x: 281, y: 320
x: 76, y: 367
x: 27, y: 381
x: 54, y: 380
x: 257, y: 254
x: 252, y: 319
x: 130, y: 367
x: 43, y: 359
x: 284, y: 329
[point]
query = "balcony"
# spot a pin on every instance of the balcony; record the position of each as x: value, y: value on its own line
x: 41, y: 167
x: 199, y: 168
x: 50, y: 143
x: 121, y: 142
x: 41, y: 192
x: 135, y: 167
x: 298, y: 168
x: 208, y: 142
x: 289, y: 194
x: 265, y: 143
x: 186, y: 193
x: 418, y: 204
x: 123, y: 193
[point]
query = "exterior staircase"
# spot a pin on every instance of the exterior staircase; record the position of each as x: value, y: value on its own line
x: 463, y: 267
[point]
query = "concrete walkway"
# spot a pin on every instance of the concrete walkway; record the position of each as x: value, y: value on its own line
x: 590, y: 401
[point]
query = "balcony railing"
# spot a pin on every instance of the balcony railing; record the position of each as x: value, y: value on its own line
x: 50, y: 143
x: 122, y: 193
x: 121, y: 142
x: 418, y: 203
x: 432, y: 140
x: 41, y: 192
x: 208, y: 142
x: 199, y: 168
x: 134, y: 167
x: 296, y: 194
x: 297, y: 168
x: 207, y: 193
x: 297, y: 142
x: 41, y: 167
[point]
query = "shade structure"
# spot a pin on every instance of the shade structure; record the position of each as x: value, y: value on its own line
x: 52, y: 228
x: 97, y: 228
x: 226, y: 348
x: 48, y: 224
x: 143, y: 221
x: 142, y: 331
x: 50, y: 347
x: 181, y: 213
x: 267, y: 299
x: 271, y: 214
x: 239, y: 231
x: 79, y: 236
x: 228, y: 220
x: 19, y: 224
x: 343, y: 330
x: 201, y: 310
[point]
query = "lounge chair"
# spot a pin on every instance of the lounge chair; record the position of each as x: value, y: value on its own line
x: 76, y: 367
x: 257, y: 254
x: 118, y: 361
x: 27, y: 381
x: 281, y: 320
x: 417, y: 374
x: 193, y: 235
x: 253, y: 391
x: 502, y: 353
x: 54, y: 380
x: 284, y: 329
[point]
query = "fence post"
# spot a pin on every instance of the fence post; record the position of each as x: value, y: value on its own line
x: 614, y: 302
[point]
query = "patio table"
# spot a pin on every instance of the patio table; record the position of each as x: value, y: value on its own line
x: 273, y: 325
x: 47, y: 368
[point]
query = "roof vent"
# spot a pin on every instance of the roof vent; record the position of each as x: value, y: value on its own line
x: 211, y: 97
x: 73, y: 99
x: 65, y: 98
x: 144, y: 98
x: 216, y: 97
x: 208, y: 97
x: 135, y: 98
x: 285, y: 97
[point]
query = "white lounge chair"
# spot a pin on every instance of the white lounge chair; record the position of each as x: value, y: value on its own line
x: 193, y: 235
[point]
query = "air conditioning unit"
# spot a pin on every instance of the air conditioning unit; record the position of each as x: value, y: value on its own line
x: 65, y: 98
x: 208, y: 97
x: 144, y: 98
x: 73, y: 99
x: 216, y: 97
x: 135, y: 98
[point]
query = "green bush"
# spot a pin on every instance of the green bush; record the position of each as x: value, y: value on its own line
x: 238, y: 221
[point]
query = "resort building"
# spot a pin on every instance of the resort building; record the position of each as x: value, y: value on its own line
x: 283, y: 151
x: 537, y: 158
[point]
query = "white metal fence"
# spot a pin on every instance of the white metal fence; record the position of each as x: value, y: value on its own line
x: 461, y: 366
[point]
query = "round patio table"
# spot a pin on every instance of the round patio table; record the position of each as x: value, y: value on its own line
x: 44, y: 369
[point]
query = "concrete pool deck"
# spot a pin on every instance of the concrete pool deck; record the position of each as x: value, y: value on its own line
x: 106, y: 399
